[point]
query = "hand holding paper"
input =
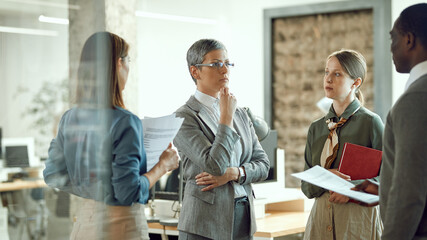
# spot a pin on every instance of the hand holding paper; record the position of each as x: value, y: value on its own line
x: 340, y: 174
x: 158, y: 134
x: 368, y: 186
x: 169, y: 158
x: 325, y: 179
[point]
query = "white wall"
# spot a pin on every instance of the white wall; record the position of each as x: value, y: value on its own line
x: 26, y: 63
x: 165, y: 83
x: 164, y: 80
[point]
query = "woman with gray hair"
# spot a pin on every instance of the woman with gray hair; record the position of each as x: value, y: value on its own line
x: 220, y: 152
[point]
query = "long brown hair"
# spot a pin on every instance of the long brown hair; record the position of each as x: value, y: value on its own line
x: 97, y: 77
x: 354, y: 64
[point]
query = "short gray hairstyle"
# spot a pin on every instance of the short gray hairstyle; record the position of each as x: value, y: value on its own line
x: 197, y: 52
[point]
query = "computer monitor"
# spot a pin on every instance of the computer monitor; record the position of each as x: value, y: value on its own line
x: 167, y: 188
x: 19, y: 152
x: 17, y: 156
x: 275, y: 181
x: 269, y: 144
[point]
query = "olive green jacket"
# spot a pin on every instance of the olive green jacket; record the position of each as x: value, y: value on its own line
x: 364, y: 128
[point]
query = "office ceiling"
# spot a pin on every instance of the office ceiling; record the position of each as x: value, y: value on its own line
x: 16, y: 8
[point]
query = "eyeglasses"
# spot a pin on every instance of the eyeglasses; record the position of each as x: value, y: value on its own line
x: 218, y: 65
x: 125, y: 57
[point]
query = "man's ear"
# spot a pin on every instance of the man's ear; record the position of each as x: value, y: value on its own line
x: 410, y: 40
x: 194, y: 72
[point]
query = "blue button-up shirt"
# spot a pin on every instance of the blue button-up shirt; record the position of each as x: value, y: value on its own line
x: 99, y: 154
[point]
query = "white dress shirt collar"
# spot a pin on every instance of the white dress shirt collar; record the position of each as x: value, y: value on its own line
x: 206, y: 100
x: 416, y: 72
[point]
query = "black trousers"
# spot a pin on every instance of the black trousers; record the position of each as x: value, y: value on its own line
x: 242, y: 223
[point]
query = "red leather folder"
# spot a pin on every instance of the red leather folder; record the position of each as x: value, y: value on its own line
x: 360, y: 162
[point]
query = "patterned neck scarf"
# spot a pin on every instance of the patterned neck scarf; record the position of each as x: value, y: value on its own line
x: 330, y: 150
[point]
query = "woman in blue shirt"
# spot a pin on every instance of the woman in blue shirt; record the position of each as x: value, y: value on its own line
x: 98, y: 153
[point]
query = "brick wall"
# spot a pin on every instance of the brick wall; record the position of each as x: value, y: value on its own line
x: 300, y: 48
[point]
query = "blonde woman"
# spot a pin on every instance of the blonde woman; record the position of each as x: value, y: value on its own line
x: 333, y: 216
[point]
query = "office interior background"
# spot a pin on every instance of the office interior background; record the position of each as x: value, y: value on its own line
x: 40, y: 44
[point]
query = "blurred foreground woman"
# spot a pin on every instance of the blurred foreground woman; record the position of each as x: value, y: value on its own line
x: 98, y: 153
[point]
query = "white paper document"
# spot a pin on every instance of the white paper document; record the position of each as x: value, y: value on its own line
x: 158, y: 133
x: 323, y: 178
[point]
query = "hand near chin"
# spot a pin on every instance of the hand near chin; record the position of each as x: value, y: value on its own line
x: 227, y: 105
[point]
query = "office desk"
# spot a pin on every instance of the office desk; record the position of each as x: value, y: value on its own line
x: 6, y: 190
x: 21, y: 184
x: 280, y: 223
x: 274, y: 224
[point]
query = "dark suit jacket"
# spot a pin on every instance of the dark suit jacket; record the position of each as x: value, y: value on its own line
x: 204, y: 146
x: 403, y: 177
